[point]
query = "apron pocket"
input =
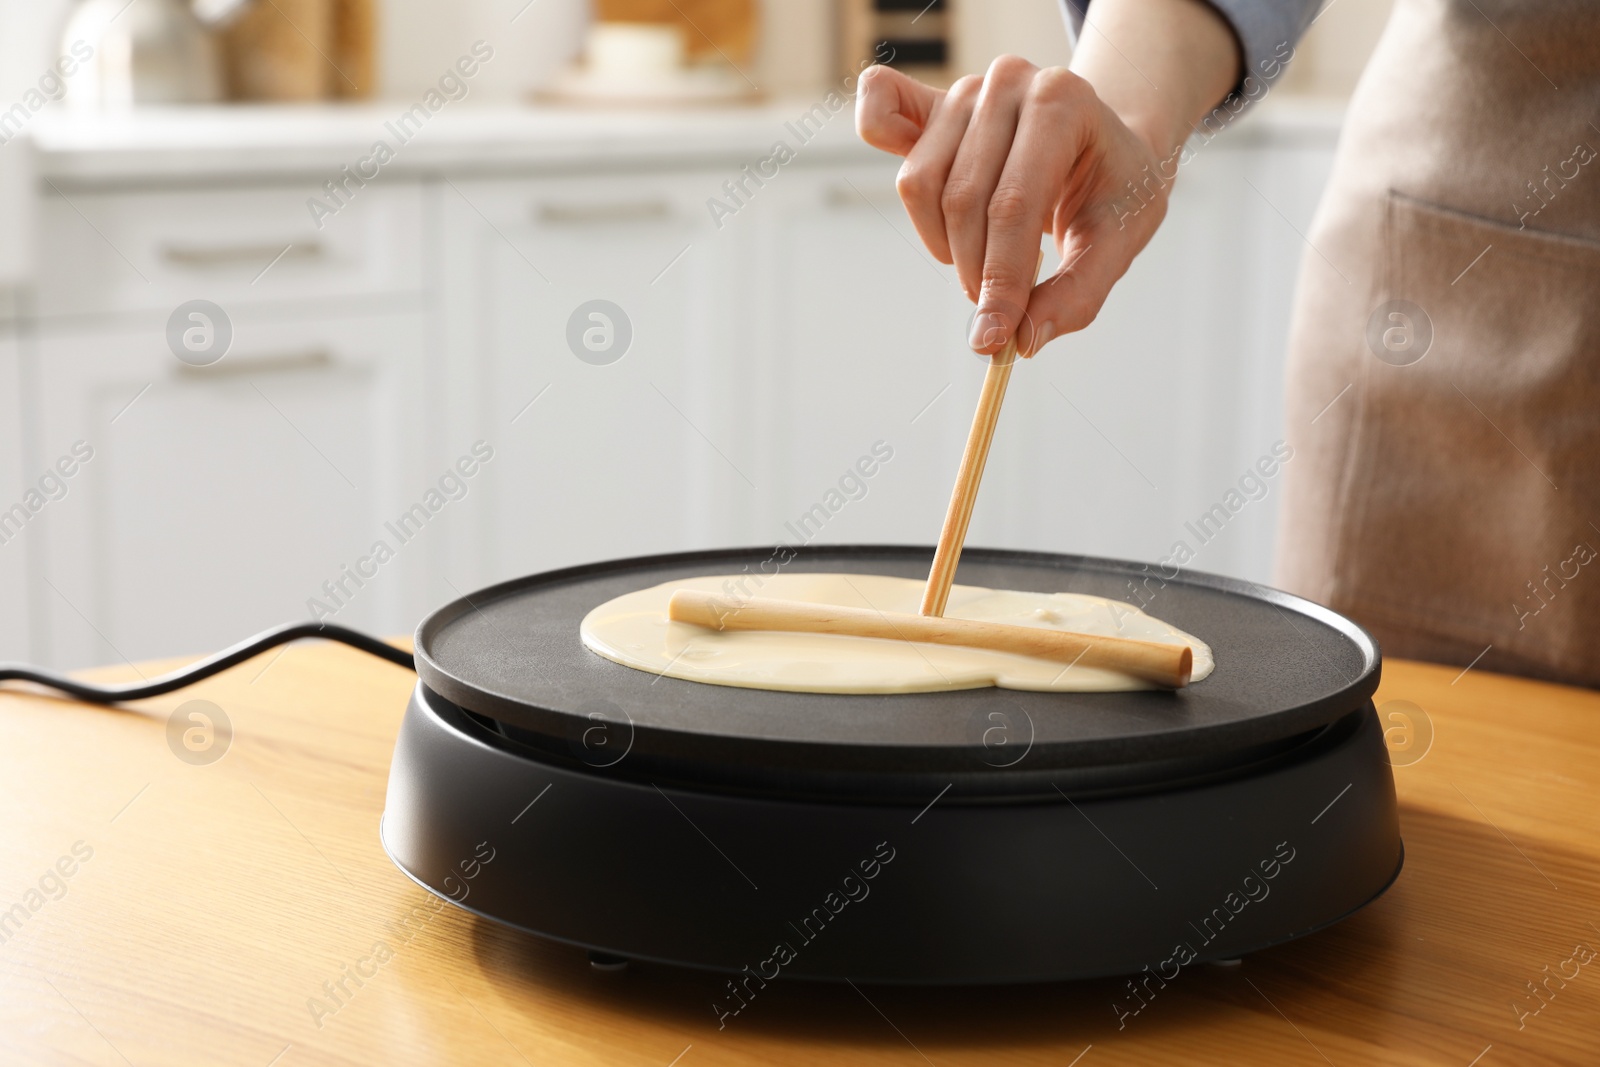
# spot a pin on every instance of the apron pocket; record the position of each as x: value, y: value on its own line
x: 1475, y: 465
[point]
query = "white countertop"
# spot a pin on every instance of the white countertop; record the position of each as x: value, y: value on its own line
x: 180, y: 145
x: 265, y: 142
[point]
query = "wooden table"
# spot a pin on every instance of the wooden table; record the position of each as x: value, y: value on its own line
x: 208, y: 903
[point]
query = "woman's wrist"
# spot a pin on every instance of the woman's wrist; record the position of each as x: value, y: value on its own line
x: 1159, y: 65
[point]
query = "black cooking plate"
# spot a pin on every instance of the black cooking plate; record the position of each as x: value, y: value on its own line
x: 511, y: 656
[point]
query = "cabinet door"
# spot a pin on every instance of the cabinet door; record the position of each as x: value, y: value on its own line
x: 210, y: 503
x: 1124, y: 436
x: 14, y: 482
x: 863, y: 342
x: 1289, y: 176
x: 1110, y: 442
x: 870, y: 343
x: 613, y: 423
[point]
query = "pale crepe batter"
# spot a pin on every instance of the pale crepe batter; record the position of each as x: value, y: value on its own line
x: 634, y: 630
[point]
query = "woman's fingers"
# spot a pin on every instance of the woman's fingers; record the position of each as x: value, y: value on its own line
x: 975, y: 173
x: 1033, y: 181
x: 923, y: 175
x: 892, y: 110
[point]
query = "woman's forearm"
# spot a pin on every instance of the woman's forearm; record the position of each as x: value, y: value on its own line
x: 1161, y: 65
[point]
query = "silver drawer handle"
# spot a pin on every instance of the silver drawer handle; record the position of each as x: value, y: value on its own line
x: 270, y: 363
x: 224, y: 255
x: 602, y: 214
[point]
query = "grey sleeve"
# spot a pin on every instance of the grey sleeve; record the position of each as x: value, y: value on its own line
x: 1267, y: 31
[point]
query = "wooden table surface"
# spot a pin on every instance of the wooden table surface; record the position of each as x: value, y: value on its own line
x: 176, y: 912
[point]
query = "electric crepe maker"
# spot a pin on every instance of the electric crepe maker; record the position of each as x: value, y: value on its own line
x: 977, y: 836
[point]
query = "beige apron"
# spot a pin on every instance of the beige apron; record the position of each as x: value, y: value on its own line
x: 1451, y: 503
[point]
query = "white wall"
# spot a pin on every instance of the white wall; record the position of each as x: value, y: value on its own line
x: 29, y: 33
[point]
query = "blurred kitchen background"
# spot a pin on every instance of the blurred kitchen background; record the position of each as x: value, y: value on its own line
x: 179, y: 182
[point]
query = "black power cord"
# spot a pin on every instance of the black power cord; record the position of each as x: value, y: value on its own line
x: 228, y: 657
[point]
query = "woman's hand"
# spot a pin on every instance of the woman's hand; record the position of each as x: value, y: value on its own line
x: 996, y: 162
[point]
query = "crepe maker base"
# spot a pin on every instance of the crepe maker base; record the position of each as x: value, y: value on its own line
x: 983, y: 836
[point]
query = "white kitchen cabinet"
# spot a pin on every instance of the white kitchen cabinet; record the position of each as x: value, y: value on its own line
x: 1109, y: 442
x: 14, y: 613
x: 1285, y: 182
x: 218, y: 500
x: 857, y: 338
x: 1115, y: 438
x: 644, y: 454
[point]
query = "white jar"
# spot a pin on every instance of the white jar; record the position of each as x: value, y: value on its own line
x: 150, y: 52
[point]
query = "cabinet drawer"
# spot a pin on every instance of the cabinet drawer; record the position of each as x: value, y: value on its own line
x: 130, y: 251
